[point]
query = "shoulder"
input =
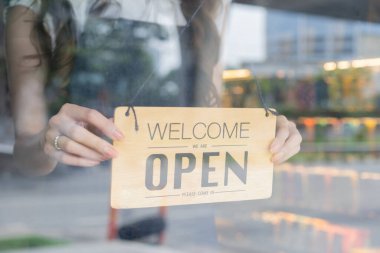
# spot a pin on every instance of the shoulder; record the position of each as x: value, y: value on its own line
x: 34, y: 5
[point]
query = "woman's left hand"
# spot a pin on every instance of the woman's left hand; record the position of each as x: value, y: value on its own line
x: 287, y: 142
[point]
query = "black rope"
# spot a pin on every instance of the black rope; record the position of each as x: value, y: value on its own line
x: 261, y: 97
x: 131, y: 107
x: 150, y: 76
x: 262, y: 100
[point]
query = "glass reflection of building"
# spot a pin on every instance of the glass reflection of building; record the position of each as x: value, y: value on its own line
x: 299, y: 46
x: 303, y: 38
x: 294, y: 73
x: 324, y: 200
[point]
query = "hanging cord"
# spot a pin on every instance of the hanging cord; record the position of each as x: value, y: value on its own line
x: 150, y: 76
x: 131, y: 107
x: 262, y: 100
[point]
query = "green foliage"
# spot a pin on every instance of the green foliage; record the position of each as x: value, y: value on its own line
x: 27, y: 242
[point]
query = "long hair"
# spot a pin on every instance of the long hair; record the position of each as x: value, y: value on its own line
x: 203, y: 41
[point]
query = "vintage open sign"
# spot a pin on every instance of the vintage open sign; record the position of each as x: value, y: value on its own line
x: 184, y: 156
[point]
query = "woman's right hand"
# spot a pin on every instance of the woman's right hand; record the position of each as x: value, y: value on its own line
x: 76, y: 145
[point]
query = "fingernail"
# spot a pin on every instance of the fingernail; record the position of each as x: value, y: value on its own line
x: 118, y: 134
x: 110, y: 152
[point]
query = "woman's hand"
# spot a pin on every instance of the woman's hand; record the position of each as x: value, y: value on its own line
x: 287, y: 142
x: 69, y: 140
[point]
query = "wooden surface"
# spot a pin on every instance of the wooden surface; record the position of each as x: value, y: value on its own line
x: 212, y: 155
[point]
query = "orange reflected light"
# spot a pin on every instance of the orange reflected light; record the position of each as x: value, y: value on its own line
x: 370, y: 123
x: 237, y: 74
x: 360, y: 63
x: 309, y: 122
x: 329, y: 171
x: 316, y: 223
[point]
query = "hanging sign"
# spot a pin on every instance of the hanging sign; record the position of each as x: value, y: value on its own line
x: 180, y: 156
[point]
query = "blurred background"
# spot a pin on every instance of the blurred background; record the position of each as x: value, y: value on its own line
x: 318, y: 63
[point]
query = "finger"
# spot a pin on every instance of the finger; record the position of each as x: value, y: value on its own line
x: 281, y: 135
x: 285, y: 156
x: 82, y: 124
x: 94, y: 118
x: 72, y: 160
x: 69, y: 159
x: 77, y: 149
x: 88, y: 139
x: 290, y: 148
x: 294, y: 139
x: 68, y: 127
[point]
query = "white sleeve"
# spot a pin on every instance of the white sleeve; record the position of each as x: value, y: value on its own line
x: 34, y: 5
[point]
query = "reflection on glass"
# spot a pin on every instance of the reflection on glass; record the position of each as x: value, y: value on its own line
x: 323, y: 72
